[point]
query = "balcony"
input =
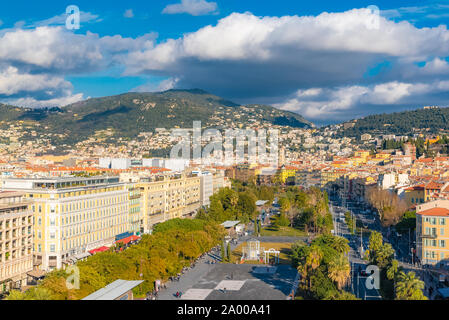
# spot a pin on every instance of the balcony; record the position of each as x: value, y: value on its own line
x: 429, y: 236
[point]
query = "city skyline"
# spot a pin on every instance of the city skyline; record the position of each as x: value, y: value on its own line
x: 224, y: 150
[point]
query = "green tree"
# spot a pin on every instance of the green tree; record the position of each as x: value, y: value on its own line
x: 408, y: 287
x: 246, y: 206
x: 281, y: 221
x: 375, y: 243
x: 339, y: 271
x: 408, y: 222
x: 216, y: 211
x: 201, y: 214
x: 384, y: 255
x: 16, y: 295
x: 341, y: 245
x: 393, y: 270
x: 228, y: 252
x: 313, y: 259
x: 285, y: 204
x: 223, y: 252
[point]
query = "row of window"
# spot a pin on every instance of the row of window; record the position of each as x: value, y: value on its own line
x: 435, y: 243
x: 66, y: 245
x: 86, y: 204
x: 85, y: 216
x: 433, y: 231
x: 433, y: 255
x: 435, y: 221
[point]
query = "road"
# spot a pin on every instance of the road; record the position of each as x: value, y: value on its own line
x: 358, y: 283
x: 402, y: 244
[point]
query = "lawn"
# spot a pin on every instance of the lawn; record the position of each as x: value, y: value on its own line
x: 282, y: 232
x: 284, y: 248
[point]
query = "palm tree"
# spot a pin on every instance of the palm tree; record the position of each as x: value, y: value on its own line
x: 409, y: 287
x: 384, y: 255
x: 313, y: 260
x: 341, y: 245
x: 314, y: 257
x: 393, y: 270
x: 339, y: 271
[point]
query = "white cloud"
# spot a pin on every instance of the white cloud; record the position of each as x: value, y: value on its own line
x: 50, y: 48
x: 245, y: 36
x: 265, y: 59
x: 193, y: 7
x: 414, y: 13
x: 12, y: 82
x: 59, y: 50
x: 164, y: 85
x: 129, y: 13
x: 31, y: 102
x: 311, y: 64
x: 436, y: 66
x: 34, y: 62
x: 35, y: 90
x: 337, y: 102
x: 60, y: 20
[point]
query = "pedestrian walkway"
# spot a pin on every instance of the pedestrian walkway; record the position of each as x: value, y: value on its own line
x: 294, y: 286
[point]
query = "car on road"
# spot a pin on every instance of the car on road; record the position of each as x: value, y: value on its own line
x: 363, y: 273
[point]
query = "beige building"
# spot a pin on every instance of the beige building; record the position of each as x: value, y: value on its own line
x: 16, y: 240
x: 432, y: 232
x: 73, y: 215
x: 167, y: 197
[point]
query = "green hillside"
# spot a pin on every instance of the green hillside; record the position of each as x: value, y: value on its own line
x: 433, y: 120
x: 127, y: 115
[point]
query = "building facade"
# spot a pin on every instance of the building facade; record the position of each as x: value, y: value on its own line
x: 168, y: 197
x: 73, y: 215
x: 16, y: 240
x: 432, y: 232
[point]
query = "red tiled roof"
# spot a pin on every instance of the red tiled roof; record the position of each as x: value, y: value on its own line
x: 433, y: 185
x: 441, y: 212
x: 425, y: 160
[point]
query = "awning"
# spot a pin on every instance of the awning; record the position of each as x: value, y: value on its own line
x: 37, y: 274
x: 128, y: 240
x: 81, y: 256
x: 101, y: 249
x: 229, y: 224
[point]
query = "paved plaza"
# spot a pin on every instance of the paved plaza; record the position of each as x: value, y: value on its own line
x: 233, y: 282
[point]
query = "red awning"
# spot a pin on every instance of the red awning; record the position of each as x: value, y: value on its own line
x: 101, y: 249
x: 128, y: 240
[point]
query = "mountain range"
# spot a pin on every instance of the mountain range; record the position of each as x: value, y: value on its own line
x: 129, y: 114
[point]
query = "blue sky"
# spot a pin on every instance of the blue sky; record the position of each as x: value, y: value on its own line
x: 305, y: 56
